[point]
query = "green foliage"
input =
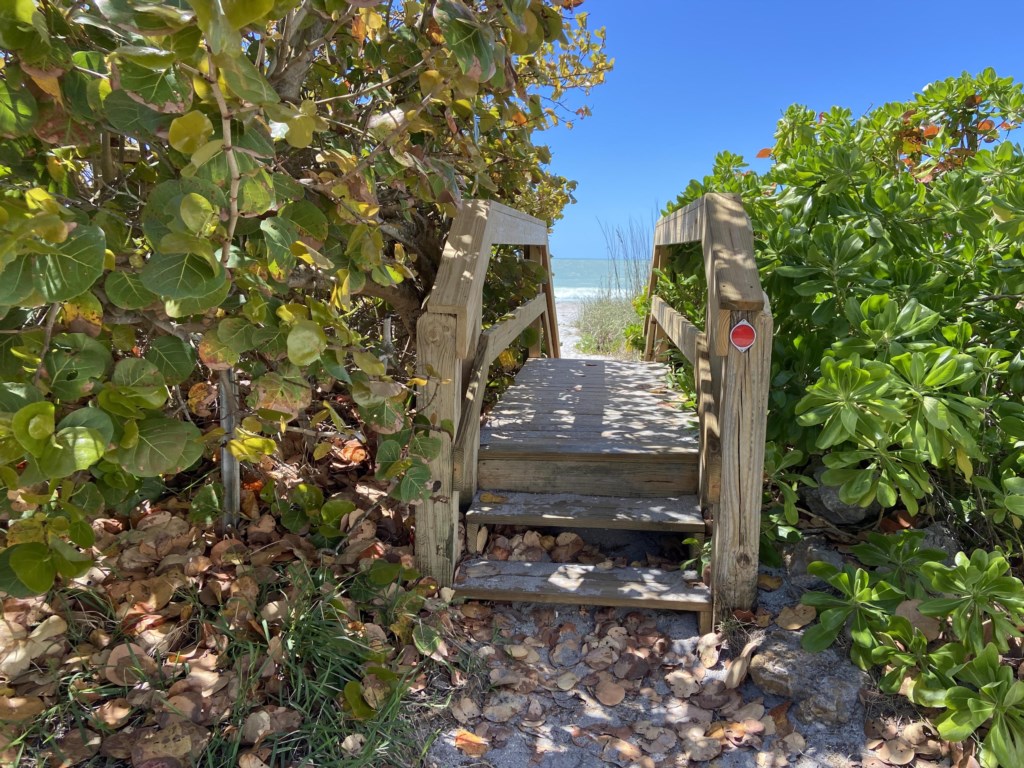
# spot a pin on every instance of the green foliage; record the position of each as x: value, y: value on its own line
x: 977, y: 606
x: 890, y: 245
x: 241, y: 187
x: 995, y: 697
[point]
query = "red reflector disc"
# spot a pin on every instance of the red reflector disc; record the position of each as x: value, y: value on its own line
x: 743, y: 335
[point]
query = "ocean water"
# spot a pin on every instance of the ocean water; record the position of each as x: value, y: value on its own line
x: 576, y: 279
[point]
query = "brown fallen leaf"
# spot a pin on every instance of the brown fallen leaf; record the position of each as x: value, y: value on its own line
x: 128, y: 664
x: 896, y: 752
x: 471, y: 744
x: 780, y: 714
x: 18, y: 708
x: 708, y: 648
x: 250, y: 760
x: 767, y: 582
x: 567, y: 681
x: 492, y: 498
x: 794, y: 617
x: 609, y: 693
x: 113, y: 713
x: 739, y: 666
x: 683, y: 683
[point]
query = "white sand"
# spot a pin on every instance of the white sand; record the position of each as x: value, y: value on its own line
x: 568, y: 335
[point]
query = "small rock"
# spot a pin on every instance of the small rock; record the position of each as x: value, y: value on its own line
x: 938, y: 536
x: 785, y: 669
x: 807, y: 551
x: 824, y: 501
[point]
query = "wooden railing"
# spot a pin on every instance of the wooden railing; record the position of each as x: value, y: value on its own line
x: 455, y: 354
x: 731, y: 381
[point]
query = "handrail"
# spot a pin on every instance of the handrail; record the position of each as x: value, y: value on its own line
x: 455, y: 355
x: 731, y: 381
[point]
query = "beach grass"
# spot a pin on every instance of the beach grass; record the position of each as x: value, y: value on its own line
x: 605, y: 323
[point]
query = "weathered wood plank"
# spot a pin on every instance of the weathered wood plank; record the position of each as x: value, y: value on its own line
x: 683, y: 226
x: 507, y: 226
x: 679, y: 514
x: 679, y: 330
x: 707, y: 418
x: 729, y: 245
x: 626, y: 475
x: 542, y: 256
x: 437, y: 519
x: 742, y: 415
x: 597, y: 449
x: 582, y: 585
x: 458, y: 287
x: 653, y: 334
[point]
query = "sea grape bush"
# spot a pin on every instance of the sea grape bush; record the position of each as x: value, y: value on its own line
x: 890, y: 246
x: 198, y: 198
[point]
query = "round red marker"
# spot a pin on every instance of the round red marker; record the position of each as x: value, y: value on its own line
x: 743, y: 335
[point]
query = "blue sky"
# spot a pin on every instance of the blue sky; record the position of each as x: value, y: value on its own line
x: 693, y: 78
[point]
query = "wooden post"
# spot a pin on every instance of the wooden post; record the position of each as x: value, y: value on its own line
x: 652, y: 331
x: 437, y: 518
x: 742, y: 415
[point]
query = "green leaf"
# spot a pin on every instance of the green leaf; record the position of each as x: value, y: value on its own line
x: 18, y: 112
x: 131, y: 118
x: 93, y: 418
x: 220, y: 35
x: 194, y: 306
x: 161, y: 89
x: 427, y: 639
x: 242, y: 13
x: 173, y: 357
x: 164, y: 446
x: 10, y: 584
x: 307, y: 217
x: 33, y: 426
x: 334, y: 510
x: 245, y: 81
x: 470, y: 41
x: 71, y: 450
x: 75, y: 365
x: 279, y: 234
x: 368, y: 363
x: 16, y: 283
x: 190, y: 132
x: 198, y: 214
x: 179, y: 276
x: 306, y: 341
x: 33, y: 566
x: 414, y: 485
x: 125, y: 290
x: 73, y: 266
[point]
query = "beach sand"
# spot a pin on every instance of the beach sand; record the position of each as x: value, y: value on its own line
x: 568, y: 336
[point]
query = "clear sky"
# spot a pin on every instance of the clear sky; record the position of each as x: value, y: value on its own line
x: 693, y: 78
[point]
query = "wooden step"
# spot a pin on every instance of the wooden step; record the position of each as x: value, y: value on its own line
x: 575, y: 584
x: 640, y: 474
x: 676, y: 514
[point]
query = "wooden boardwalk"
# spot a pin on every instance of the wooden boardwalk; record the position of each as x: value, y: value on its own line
x: 588, y: 444
x: 599, y: 444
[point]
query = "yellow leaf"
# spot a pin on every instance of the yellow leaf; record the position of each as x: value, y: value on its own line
x: 471, y: 744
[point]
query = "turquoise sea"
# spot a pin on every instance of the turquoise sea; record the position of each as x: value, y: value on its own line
x: 576, y: 279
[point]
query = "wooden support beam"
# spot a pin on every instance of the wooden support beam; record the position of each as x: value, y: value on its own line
x: 679, y: 330
x: 437, y: 518
x: 683, y: 226
x: 729, y: 247
x: 653, y: 333
x: 710, y: 466
x: 742, y: 415
x: 492, y: 342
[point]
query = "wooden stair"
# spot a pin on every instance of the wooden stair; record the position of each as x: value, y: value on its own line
x: 581, y: 444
